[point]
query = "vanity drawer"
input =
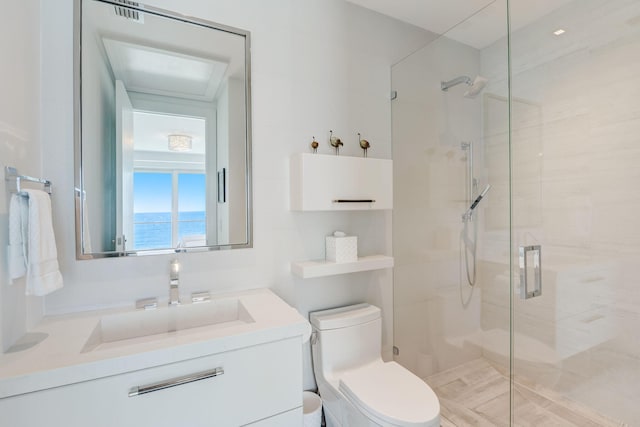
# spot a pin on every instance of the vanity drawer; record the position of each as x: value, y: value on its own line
x: 258, y: 382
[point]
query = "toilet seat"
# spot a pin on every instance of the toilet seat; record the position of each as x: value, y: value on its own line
x: 391, y: 395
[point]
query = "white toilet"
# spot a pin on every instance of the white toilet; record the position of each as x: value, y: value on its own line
x: 358, y: 389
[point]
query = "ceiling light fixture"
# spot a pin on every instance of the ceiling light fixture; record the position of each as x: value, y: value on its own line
x: 180, y: 142
x: 559, y: 32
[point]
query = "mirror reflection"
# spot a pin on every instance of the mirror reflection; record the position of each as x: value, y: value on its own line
x: 164, y: 124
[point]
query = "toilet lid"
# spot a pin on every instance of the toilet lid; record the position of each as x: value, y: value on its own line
x: 393, y: 394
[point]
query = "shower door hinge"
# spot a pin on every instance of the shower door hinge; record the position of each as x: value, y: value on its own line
x: 396, y: 351
x: 394, y: 94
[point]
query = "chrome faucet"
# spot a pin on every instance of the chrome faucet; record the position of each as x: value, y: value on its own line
x: 174, y: 281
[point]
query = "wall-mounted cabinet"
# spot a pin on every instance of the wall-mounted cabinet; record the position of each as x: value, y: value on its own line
x: 321, y: 182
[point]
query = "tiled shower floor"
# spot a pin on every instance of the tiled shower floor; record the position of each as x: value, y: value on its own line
x: 477, y: 394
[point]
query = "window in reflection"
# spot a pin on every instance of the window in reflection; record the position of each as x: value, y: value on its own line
x: 152, y: 210
x: 191, y: 210
x: 169, y: 209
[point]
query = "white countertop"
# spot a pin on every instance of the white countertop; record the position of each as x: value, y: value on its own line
x: 59, y: 359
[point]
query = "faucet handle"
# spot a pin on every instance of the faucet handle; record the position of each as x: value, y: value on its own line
x: 147, y: 303
x: 198, y: 297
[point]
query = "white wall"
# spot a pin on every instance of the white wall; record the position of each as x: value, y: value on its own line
x: 317, y: 65
x: 19, y: 146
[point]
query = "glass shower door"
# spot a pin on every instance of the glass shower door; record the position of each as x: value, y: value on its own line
x: 451, y: 273
x: 575, y: 151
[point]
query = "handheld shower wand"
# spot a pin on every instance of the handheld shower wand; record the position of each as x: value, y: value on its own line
x: 467, y: 215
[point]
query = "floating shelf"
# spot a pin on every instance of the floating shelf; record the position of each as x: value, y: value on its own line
x: 320, y: 268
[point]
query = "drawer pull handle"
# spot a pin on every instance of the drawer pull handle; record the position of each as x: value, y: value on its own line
x: 135, y: 391
x: 353, y: 201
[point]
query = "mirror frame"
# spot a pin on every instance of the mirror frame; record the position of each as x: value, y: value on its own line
x: 77, y: 125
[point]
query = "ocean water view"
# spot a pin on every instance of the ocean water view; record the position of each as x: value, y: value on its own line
x: 152, y: 230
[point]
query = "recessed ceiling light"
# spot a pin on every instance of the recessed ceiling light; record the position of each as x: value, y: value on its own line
x: 559, y: 32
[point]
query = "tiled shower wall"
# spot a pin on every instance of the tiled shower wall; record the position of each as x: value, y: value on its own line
x: 575, y: 151
x: 575, y: 156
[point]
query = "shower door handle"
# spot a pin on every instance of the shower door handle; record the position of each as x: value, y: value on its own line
x: 535, y: 252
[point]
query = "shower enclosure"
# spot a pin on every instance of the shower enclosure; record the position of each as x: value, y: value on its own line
x: 526, y: 309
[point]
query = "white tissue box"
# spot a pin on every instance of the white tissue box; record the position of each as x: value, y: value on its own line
x: 342, y: 249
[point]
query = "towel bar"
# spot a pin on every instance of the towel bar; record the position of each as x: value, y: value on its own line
x: 11, y: 174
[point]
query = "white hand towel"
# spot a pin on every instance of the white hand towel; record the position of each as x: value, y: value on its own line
x: 18, y: 216
x: 43, y: 272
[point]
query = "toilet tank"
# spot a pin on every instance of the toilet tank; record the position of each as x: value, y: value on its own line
x: 346, y: 338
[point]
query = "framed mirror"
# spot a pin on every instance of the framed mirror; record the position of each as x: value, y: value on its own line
x: 163, y: 132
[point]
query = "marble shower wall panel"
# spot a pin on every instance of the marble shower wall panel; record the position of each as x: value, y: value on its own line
x: 575, y: 192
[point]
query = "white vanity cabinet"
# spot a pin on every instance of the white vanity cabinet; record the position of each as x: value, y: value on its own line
x: 260, y: 386
x: 321, y: 182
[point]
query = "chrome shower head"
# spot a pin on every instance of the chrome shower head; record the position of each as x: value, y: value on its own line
x: 448, y: 84
x: 475, y: 86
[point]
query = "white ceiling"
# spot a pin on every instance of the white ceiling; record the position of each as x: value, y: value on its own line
x: 150, y: 131
x: 161, y: 72
x: 477, y: 23
x: 155, y: 52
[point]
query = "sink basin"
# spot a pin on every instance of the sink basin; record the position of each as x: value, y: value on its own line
x: 157, y: 323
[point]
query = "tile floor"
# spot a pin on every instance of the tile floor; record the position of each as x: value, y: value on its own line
x: 477, y: 394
